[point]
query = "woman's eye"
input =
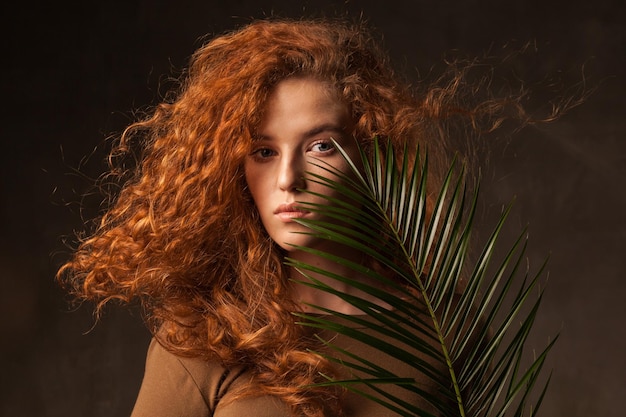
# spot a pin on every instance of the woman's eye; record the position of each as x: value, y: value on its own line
x: 323, y: 147
x: 263, y: 153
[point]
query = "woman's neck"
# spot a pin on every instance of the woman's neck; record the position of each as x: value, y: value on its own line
x: 308, y: 297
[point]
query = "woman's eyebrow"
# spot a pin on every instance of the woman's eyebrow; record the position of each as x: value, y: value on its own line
x: 326, y: 127
x: 316, y: 130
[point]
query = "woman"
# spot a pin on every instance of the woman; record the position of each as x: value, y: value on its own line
x: 200, y: 230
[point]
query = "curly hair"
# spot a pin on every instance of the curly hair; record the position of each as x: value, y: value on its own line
x: 183, y: 235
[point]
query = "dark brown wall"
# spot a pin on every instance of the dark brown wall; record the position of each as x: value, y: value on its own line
x: 71, y: 74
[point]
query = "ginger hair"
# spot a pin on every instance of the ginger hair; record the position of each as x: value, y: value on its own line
x: 183, y: 236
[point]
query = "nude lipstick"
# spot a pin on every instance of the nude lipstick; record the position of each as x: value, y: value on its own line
x: 287, y: 212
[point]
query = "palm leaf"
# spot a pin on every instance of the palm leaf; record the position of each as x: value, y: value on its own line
x: 474, y: 337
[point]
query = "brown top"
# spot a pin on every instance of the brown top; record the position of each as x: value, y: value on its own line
x: 174, y: 386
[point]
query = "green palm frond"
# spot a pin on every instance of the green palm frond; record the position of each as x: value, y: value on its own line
x: 462, y: 325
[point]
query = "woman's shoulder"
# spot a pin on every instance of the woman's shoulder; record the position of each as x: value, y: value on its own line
x: 194, y: 387
x: 185, y: 386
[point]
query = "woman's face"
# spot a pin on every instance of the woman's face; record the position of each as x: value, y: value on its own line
x: 301, y: 117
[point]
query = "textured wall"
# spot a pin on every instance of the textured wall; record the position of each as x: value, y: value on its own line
x: 71, y: 75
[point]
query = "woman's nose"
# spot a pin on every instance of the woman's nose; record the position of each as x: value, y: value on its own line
x: 291, y: 175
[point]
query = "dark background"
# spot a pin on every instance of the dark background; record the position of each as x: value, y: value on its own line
x: 71, y: 75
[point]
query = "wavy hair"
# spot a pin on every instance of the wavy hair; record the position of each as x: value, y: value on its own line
x: 183, y: 235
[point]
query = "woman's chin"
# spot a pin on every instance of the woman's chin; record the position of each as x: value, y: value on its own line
x: 292, y: 245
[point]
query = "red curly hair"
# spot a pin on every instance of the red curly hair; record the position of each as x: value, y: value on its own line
x: 183, y: 235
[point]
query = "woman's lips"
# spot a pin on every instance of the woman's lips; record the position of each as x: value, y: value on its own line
x: 287, y: 212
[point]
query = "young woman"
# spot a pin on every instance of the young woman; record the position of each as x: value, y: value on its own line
x: 199, y: 231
